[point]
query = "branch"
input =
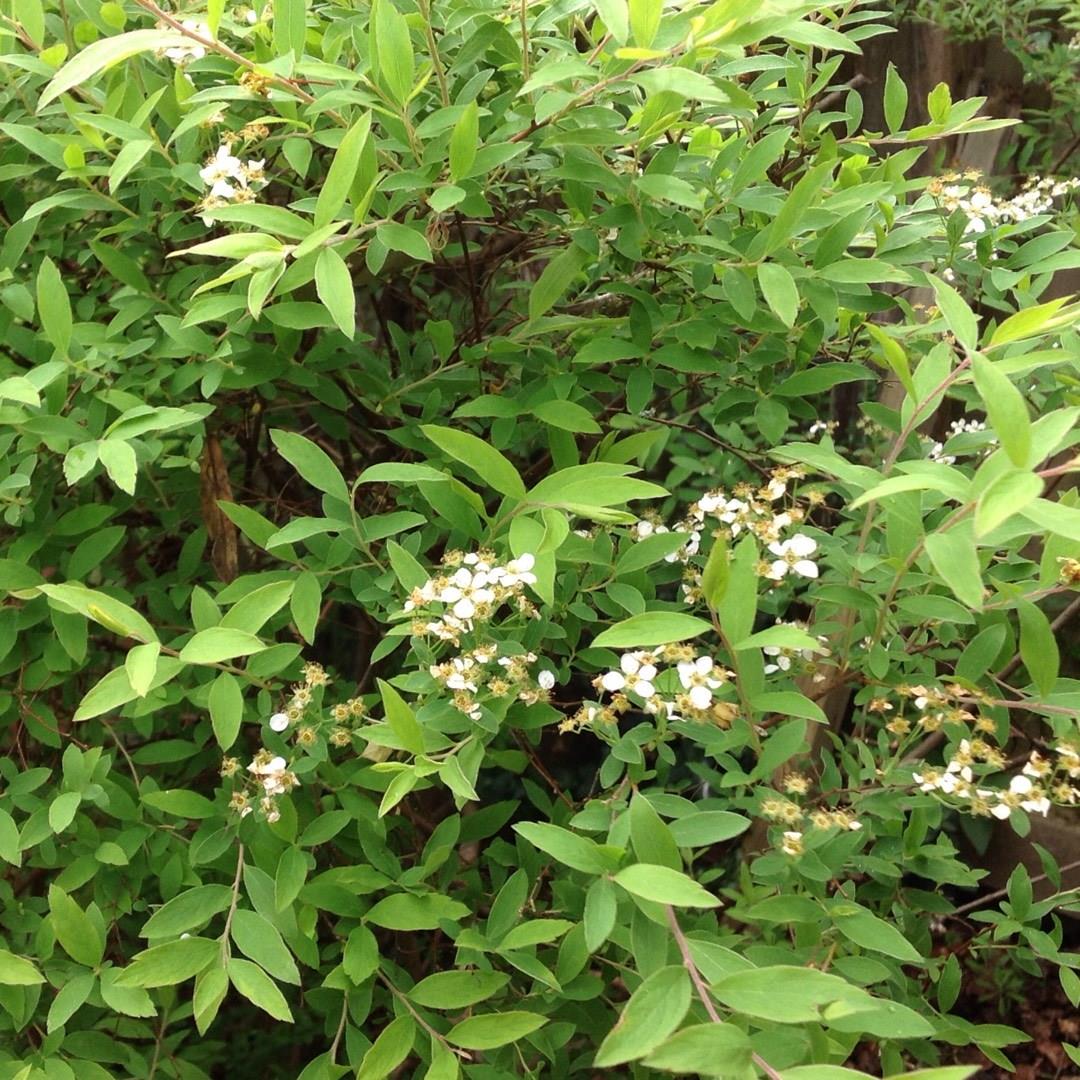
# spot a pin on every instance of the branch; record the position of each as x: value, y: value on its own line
x: 703, y: 990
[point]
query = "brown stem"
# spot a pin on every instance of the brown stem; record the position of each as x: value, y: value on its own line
x: 703, y: 990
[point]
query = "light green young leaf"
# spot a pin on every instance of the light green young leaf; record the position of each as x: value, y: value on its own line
x: 652, y: 628
x: 54, y: 307
x: 312, y: 462
x: 105, y: 53
x: 480, y: 456
x: 664, y: 886
x: 342, y: 172
x: 463, y: 141
x: 334, y: 286
x: 654, y: 1011
x: 258, y: 988
x: 396, y: 61
x: 1006, y: 408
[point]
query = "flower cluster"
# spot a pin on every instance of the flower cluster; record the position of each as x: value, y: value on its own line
x: 189, y: 51
x: 472, y: 590
x: 230, y: 180
x: 803, y: 660
x: 692, y: 691
x: 957, y: 427
x: 1040, y: 783
x: 935, y: 707
x: 482, y: 671
x: 270, y: 777
x: 797, y: 819
x: 984, y: 211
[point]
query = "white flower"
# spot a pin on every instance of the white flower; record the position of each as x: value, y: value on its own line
x: 223, y: 165
x: 546, y: 680
x: 189, y: 51
x: 792, y: 843
x: 613, y: 681
x: 793, y: 555
x: 517, y: 572
x: 700, y: 697
x: 775, y: 489
x: 465, y: 591
x: 279, y: 721
x: 783, y: 660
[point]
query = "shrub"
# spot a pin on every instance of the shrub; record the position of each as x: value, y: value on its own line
x: 451, y: 603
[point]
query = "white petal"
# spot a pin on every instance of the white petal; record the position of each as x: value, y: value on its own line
x: 802, y: 545
x: 464, y: 608
x: 777, y: 548
x: 546, y: 680
x: 645, y: 689
x: 806, y: 568
x: 778, y: 570
x: 279, y: 722
x: 1001, y: 811
x: 613, y: 681
x: 700, y: 697
x: 450, y: 595
x: 630, y: 663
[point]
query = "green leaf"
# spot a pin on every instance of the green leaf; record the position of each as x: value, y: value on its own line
x: 77, y: 933
x: 553, y: 283
x: 340, y: 177
x: 404, y: 911
x: 955, y: 558
x: 896, y: 99
x: 645, y: 20
x: 578, y: 852
x: 664, y: 886
x: 104, y: 53
x: 252, y: 611
x: 478, y: 455
x: 492, y: 1030
x: 457, y: 989
x: 717, y: 573
x: 864, y: 928
x: 186, y: 911
x: 1006, y: 409
x: 780, y: 292
x: 289, y: 879
x: 218, y: 644
x: 652, y: 628
x: 54, y: 307
x: 18, y: 971
x: 111, y: 613
x: 1038, y: 647
x: 69, y: 999
x: 305, y: 605
x: 126, y: 1000
x: 1004, y: 497
x: 312, y: 463
x: 395, y: 53
x: 958, y: 316
x: 289, y: 27
x: 258, y: 988
x: 652, y: 839
x: 180, y: 802
x: 334, y: 285
x: 259, y: 940
x: 402, y: 719
x: 226, y: 703
x: 785, y: 994
x: 654, y: 1011
x: 707, y: 827
x: 361, y: 956
x: 62, y: 810
x: 409, y: 241
x: 601, y: 908
x: 463, y: 141
x: 141, y: 665
x: 392, y: 1046
x: 704, y: 1050
x: 211, y: 986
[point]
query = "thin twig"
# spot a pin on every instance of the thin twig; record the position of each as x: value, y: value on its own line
x: 232, y: 905
x: 997, y: 894
x: 703, y: 990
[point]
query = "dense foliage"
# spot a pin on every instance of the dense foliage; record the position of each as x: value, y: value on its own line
x: 456, y: 619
